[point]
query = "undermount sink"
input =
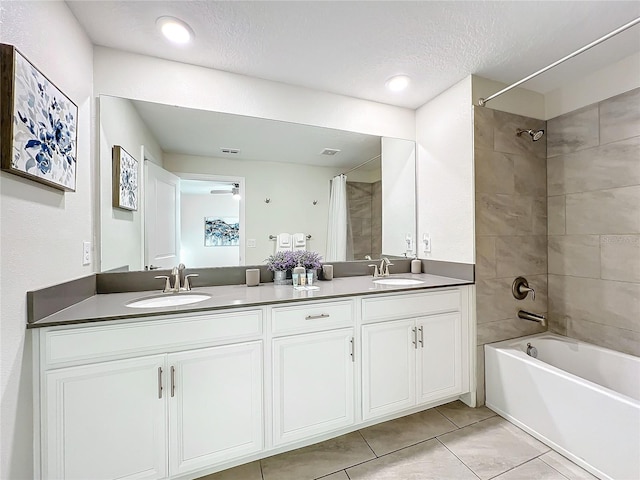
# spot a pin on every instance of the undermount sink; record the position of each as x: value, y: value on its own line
x: 397, y: 281
x: 168, y: 300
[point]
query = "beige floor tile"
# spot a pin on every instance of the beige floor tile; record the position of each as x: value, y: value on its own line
x: 317, y: 460
x: 462, y: 415
x: 248, y: 471
x: 492, y: 446
x: 425, y: 461
x: 565, y: 466
x: 535, y: 469
x: 336, y: 476
x: 405, y: 431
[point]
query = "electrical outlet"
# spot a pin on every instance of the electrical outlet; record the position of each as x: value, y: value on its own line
x: 251, y: 243
x: 426, y: 240
x: 86, y: 253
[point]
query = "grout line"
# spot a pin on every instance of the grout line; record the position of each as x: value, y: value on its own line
x: 542, y: 460
x: 261, y: 472
x: 459, y: 459
x: 365, y: 441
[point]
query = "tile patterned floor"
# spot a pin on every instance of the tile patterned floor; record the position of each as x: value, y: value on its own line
x: 450, y: 442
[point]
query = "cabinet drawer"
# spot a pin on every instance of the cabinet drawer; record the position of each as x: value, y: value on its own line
x: 412, y: 305
x: 64, y: 347
x: 311, y: 317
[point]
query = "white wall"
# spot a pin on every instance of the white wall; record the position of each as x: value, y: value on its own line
x: 41, y: 229
x: 444, y: 136
x: 291, y: 189
x: 617, y: 78
x: 121, y: 230
x: 193, y: 209
x: 519, y: 100
x: 155, y: 80
x: 398, y: 196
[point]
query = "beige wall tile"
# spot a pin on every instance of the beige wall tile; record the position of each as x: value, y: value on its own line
x: 530, y: 175
x: 494, y: 300
x: 494, y: 172
x: 539, y: 216
x: 557, y: 314
x: 495, y: 214
x: 608, y: 166
x: 620, y: 117
x: 622, y: 340
x: 521, y: 255
x: 483, y: 127
x: 505, y: 139
x: 577, y: 255
x: 620, y: 257
x: 605, y: 302
x: 507, y: 329
x: 556, y: 215
x: 573, y: 131
x: 605, y: 211
x: 485, y: 257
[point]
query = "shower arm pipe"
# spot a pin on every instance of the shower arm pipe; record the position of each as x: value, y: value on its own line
x: 483, y: 101
x: 361, y: 165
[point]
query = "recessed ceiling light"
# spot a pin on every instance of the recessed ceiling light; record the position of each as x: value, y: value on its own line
x: 398, y: 83
x: 174, y: 30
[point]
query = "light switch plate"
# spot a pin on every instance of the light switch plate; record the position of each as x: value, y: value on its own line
x: 86, y: 253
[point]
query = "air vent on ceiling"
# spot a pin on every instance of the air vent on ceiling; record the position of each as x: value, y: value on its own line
x: 231, y: 151
x: 330, y: 151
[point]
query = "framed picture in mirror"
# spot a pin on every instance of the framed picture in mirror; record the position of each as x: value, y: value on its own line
x: 125, y: 179
x: 38, y: 124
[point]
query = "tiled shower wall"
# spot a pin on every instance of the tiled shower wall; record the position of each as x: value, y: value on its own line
x: 511, y: 226
x: 365, y: 217
x: 593, y: 183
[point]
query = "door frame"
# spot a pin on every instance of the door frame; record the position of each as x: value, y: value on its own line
x: 241, y: 214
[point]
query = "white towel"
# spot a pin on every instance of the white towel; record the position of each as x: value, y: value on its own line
x: 283, y: 242
x: 299, y: 241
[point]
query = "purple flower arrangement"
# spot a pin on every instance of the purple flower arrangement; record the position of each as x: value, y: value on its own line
x: 282, y: 261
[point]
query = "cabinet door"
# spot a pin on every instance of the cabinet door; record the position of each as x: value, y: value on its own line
x: 439, y: 357
x: 105, y: 421
x: 215, y: 405
x: 313, y: 384
x: 388, y: 367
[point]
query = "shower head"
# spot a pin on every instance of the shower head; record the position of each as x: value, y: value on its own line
x: 535, y: 134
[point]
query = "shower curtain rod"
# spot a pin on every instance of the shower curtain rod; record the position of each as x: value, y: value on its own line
x: 362, y: 164
x: 482, y: 101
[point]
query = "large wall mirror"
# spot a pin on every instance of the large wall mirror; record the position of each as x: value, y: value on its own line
x: 218, y: 189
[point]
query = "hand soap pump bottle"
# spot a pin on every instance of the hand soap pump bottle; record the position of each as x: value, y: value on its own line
x: 416, y: 265
x: 301, y: 273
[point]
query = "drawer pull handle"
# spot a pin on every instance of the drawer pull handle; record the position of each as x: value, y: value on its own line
x: 415, y: 338
x: 421, y: 336
x: 159, y: 382
x: 353, y: 350
x: 316, y: 317
x: 173, y: 381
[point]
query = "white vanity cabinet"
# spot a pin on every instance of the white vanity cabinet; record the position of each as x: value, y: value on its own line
x: 413, y: 350
x: 313, y: 369
x: 187, y: 407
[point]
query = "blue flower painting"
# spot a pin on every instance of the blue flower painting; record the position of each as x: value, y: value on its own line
x: 44, y: 125
x: 221, y: 232
x: 125, y: 179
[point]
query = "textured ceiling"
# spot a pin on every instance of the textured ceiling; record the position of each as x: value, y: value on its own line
x: 352, y: 48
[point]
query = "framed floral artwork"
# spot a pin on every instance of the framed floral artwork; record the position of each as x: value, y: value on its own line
x: 38, y: 124
x: 125, y: 179
x: 221, y: 232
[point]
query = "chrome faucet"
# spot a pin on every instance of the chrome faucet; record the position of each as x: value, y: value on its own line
x: 384, y: 267
x: 177, y: 273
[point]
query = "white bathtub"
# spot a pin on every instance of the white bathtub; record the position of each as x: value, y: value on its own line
x: 581, y: 400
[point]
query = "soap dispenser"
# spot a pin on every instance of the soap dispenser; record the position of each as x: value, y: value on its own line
x: 300, y: 273
x: 416, y: 265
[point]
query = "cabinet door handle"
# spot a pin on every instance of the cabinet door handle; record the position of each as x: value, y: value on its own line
x: 173, y: 380
x: 353, y: 350
x: 415, y: 337
x: 315, y: 317
x: 159, y: 382
x: 422, y: 336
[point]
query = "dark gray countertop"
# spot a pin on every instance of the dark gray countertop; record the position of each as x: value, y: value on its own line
x: 104, y: 307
